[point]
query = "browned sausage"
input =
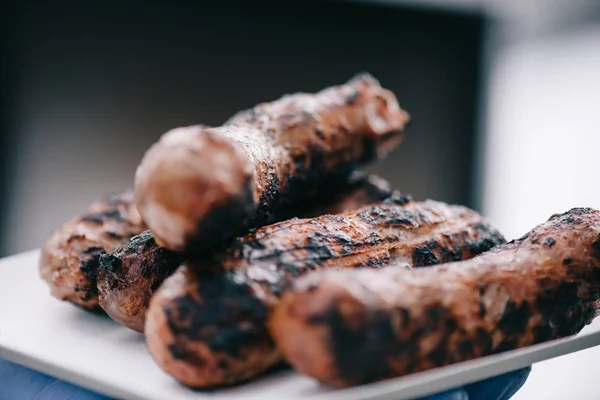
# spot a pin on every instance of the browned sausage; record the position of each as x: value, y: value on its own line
x: 69, y: 257
x: 208, y: 329
x: 198, y: 187
x: 129, y: 276
x: 347, y: 328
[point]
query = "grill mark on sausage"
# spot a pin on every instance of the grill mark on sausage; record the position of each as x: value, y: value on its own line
x: 596, y: 247
x: 101, y: 217
x: 69, y: 258
x: 424, y: 256
x: 129, y: 276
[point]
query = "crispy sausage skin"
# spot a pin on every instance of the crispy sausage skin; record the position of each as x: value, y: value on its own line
x: 209, y: 329
x: 129, y: 276
x: 347, y: 328
x: 198, y: 187
x: 69, y: 258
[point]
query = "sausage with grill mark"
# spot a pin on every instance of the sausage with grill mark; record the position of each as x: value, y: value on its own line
x: 206, y: 325
x: 199, y: 187
x: 69, y: 258
x: 347, y: 328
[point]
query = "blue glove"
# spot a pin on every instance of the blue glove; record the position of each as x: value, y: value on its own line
x: 20, y: 383
x: 501, y: 387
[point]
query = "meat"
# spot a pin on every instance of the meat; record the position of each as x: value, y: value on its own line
x: 199, y: 187
x: 335, y: 196
x: 129, y: 276
x: 347, y: 328
x: 206, y: 325
x: 69, y: 258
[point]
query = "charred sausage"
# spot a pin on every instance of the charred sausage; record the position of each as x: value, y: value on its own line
x: 209, y: 329
x: 129, y: 276
x: 69, y: 258
x: 347, y: 328
x: 199, y: 187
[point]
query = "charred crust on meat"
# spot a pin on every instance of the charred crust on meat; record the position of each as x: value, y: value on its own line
x: 399, y: 199
x: 222, y: 222
x: 465, y: 347
x: 113, y: 235
x: 557, y: 307
x: 367, y: 338
x: 596, y: 247
x: 401, y: 217
x: 228, y: 318
x: 573, y: 216
x: 489, y: 239
x: 481, y: 288
x: 482, y: 309
x: 391, y: 215
x: 452, y: 253
x: 270, y: 197
x: 90, y: 258
x: 549, y: 242
x: 510, y: 343
x: 146, y: 269
x: 179, y: 352
x: 482, y: 340
x: 439, y: 354
x: 543, y: 333
x: 515, y: 318
x: 109, y: 262
x: 320, y: 134
x: 318, y: 246
x: 374, y: 261
x: 102, y: 217
x: 97, y: 218
x: 88, y: 294
x: 567, y: 260
x: 424, y: 255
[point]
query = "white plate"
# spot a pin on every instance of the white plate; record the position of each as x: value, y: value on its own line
x: 94, y: 352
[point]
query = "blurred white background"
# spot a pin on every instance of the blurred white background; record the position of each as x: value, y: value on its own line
x: 541, y: 130
x: 541, y: 142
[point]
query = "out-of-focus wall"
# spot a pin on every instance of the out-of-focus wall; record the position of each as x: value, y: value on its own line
x: 543, y: 129
x: 98, y: 82
x: 542, y: 120
x: 542, y: 140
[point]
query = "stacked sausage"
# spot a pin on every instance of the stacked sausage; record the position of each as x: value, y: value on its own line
x: 259, y: 242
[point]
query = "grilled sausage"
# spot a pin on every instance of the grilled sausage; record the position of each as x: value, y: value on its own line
x: 209, y: 329
x: 129, y: 276
x: 69, y: 258
x: 347, y: 328
x: 198, y: 187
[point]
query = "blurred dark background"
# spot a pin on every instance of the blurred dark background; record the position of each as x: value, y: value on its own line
x: 90, y: 85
